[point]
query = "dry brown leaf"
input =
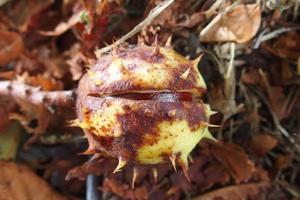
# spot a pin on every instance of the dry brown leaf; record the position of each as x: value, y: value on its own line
x: 96, y: 166
x: 261, y: 144
x: 287, y: 46
x: 238, y: 25
x: 18, y: 182
x: 124, y: 191
x: 234, y: 160
x: 283, y: 161
x: 27, y: 14
x: 236, y: 192
x: 11, y: 46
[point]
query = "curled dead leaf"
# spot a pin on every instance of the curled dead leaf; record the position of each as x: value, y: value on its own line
x: 239, y: 24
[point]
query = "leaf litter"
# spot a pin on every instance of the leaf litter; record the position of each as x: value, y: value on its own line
x: 250, y: 64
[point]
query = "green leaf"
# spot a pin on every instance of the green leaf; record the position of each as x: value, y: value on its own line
x: 9, y: 141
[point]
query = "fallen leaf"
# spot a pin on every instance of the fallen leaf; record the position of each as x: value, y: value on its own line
x: 261, y: 144
x: 239, y: 25
x: 236, y: 192
x: 234, y: 160
x: 94, y: 166
x: 11, y: 46
x: 282, y: 161
x: 27, y: 14
x: 124, y: 191
x: 18, y: 182
x: 286, y: 46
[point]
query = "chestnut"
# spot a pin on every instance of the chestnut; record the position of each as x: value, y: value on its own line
x: 143, y: 104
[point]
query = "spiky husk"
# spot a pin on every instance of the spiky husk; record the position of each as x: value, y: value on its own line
x: 121, y: 120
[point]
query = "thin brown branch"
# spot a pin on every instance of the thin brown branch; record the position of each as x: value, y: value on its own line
x: 35, y: 95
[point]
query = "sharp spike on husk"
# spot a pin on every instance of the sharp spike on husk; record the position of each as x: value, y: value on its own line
x: 90, y: 73
x: 140, y: 40
x: 95, y: 157
x: 78, y: 123
x: 209, y: 136
x: 155, y: 174
x: 88, y: 152
x: 210, y: 125
x: 185, y: 74
x: 211, y: 112
x: 196, y: 61
x: 173, y: 161
x: 114, y: 50
x: 124, y: 67
x: 156, y: 51
x: 114, y: 39
x: 106, y: 44
x: 183, y: 162
x: 208, y: 110
x: 185, y: 172
x: 169, y: 41
x: 190, y: 158
x: 121, y: 164
x: 74, y: 123
x: 135, y: 174
x: 156, y: 41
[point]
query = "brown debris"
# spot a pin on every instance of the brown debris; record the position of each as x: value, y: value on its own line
x: 18, y: 182
x: 11, y: 46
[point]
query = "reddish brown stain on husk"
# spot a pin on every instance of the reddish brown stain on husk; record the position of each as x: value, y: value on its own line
x: 135, y: 59
x: 136, y: 122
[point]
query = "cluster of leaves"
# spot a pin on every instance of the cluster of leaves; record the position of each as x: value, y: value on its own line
x: 251, y: 65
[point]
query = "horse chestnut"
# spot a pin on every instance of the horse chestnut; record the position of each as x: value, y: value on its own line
x: 143, y: 104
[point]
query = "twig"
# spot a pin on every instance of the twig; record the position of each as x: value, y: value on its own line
x: 213, y: 8
x: 35, y: 95
x: 152, y: 15
x: 217, y: 18
x: 264, y: 36
x: 230, y: 71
